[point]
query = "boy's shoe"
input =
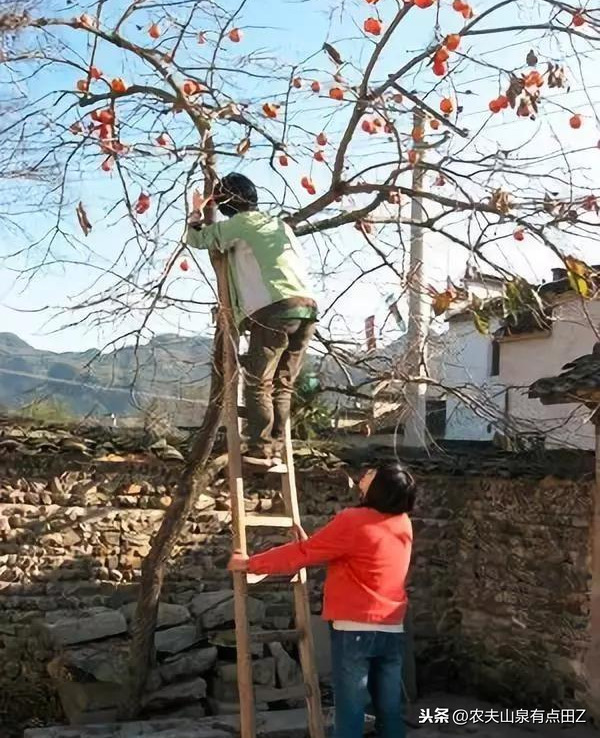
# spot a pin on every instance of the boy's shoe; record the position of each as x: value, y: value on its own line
x: 264, y: 464
x: 253, y: 459
x: 277, y: 466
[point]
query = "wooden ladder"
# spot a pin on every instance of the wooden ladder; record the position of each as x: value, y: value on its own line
x: 302, y: 634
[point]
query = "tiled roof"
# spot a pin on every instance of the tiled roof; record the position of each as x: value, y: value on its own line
x: 528, y: 320
x: 579, y: 381
x: 98, y: 445
x: 525, y: 322
x: 469, y: 459
x: 21, y: 437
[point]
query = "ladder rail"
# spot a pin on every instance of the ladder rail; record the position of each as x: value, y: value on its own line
x: 240, y: 523
x: 236, y: 493
x: 306, y: 646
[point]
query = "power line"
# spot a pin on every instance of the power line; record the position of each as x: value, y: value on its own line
x: 89, y: 385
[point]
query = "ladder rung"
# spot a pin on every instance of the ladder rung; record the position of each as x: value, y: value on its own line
x: 273, y: 578
x: 241, y: 411
x: 262, y: 469
x: 269, y: 521
x: 276, y: 636
x: 280, y: 469
x: 256, y: 578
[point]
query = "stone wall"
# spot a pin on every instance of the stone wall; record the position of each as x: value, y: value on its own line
x: 499, y: 582
x: 73, y: 534
x: 500, y: 587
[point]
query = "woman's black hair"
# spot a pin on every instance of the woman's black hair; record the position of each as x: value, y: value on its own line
x: 235, y: 193
x: 392, y: 490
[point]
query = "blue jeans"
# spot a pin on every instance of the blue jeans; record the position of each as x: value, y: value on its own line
x: 367, y: 665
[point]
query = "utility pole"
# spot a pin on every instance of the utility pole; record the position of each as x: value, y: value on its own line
x: 415, y: 429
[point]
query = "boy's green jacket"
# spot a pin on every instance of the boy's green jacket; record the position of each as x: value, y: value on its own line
x: 266, y: 267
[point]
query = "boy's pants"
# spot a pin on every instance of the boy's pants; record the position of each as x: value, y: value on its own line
x: 273, y: 362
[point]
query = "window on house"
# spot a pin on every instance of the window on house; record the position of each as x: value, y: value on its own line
x: 495, y: 359
x: 435, y: 413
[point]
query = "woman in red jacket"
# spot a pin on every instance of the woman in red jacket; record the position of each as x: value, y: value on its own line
x: 367, y: 551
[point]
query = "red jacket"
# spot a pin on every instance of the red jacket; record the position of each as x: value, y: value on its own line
x: 367, y: 554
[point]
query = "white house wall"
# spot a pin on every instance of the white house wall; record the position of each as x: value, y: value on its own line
x: 466, y: 366
x: 525, y: 360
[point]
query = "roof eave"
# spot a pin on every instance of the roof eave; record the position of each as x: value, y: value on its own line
x: 583, y: 397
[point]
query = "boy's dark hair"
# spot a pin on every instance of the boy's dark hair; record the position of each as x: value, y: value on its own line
x: 235, y: 193
x: 392, y: 490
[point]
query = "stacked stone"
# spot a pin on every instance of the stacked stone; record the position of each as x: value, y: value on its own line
x: 500, y: 587
x: 194, y: 672
x: 73, y: 536
x: 499, y: 583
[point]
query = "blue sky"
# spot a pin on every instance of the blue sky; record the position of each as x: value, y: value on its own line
x: 289, y: 31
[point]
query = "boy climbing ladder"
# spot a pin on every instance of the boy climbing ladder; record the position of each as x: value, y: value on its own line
x: 281, y: 317
x: 270, y: 299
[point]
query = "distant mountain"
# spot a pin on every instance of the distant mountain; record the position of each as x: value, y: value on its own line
x: 170, y: 373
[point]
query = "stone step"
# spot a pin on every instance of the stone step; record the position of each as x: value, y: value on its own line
x: 272, y: 724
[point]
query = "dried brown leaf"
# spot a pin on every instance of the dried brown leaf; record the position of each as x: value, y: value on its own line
x: 532, y: 59
x: 333, y: 54
x: 501, y: 201
x: 243, y: 146
x: 83, y: 219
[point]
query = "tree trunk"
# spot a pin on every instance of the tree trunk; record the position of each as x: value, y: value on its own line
x: 197, y: 474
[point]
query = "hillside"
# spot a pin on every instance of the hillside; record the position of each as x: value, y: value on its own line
x: 169, y: 371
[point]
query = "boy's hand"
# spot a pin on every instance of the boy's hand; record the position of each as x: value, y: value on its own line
x: 238, y: 562
x: 198, y: 201
x: 196, y: 217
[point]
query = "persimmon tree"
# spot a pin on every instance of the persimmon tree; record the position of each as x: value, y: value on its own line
x: 474, y: 124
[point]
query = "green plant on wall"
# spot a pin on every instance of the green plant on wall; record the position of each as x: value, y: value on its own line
x: 311, y: 417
